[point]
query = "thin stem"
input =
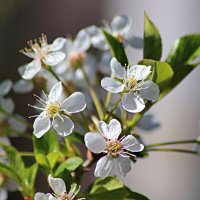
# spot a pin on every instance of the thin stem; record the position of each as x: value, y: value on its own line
x: 49, y: 68
x: 16, y: 118
x: 113, y: 109
x: 93, y: 95
x: 172, y: 143
x: 21, y: 154
x: 108, y: 97
x: 175, y: 150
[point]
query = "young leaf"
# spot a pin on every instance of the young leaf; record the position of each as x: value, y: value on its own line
x: 43, y: 161
x: 116, y: 48
x: 70, y: 164
x: 152, y: 40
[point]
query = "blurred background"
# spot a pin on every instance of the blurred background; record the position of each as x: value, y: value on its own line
x: 162, y: 176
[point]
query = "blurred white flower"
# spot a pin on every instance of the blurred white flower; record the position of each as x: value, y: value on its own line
x: 54, y: 112
x: 42, y: 53
x: 117, y: 150
x: 6, y: 103
x: 23, y: 86
x: 59, y: 191
x: 119, y: 28
x: 132, y: 84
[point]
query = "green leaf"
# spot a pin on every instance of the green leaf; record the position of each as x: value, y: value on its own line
x: 14, y: 159
x: 184, y: 50
x: 135, y: 196
x: 47, y: 144
x: 8, y: 171
x: 70, y: 164
x: 152, y: 40
x: 116, y: 48
x: 53, y: 158
x: 43, y: 161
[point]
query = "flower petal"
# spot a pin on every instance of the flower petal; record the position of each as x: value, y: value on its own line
x: 132, y: 103
x: 130, y: 143
x: 55, y: 92
x: 54, y: 58
x: 140, y: 72
x: 95, y: 142
x: 149, y: 90
x: 74, y: 103
x: 3, y: 194
x: 31, y: 70
x: 82, y: 41
x: 41, y: 196
x: 41, y: 125
x: 5, y: 87
x: 23, y: 86
x: 58, y: 43
x: 7, y: 104
x: 104, y: 166
x: 121, y: 24
x: 57, y: 185
x: 110, y: 131
x: 63, y: 127
x: 123, y: 165
x: 112, y: 85
x: 117, y: 69
x: 97, y: 38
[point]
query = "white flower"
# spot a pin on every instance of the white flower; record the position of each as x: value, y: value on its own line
x: 132, y: 84
x: 75, y: 52
x: 117, y: 150
x: 6, y: 103
x: 119, y: 27
x: 23, y: 86
x: 42, y: 53
x: 59, y: 191
x: 54, y: 112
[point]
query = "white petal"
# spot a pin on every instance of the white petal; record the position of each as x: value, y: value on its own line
x: 149, y: 90
x: 22, y: 69
x: 55, y: 92
x: 132, y: 103
x: 31, y: 70
x: 41, y: 125
x: 63, y: 127
x: 121, y: 24
x: 95, y: 142
x: 16, y: 124
x: 103, y: 167
x: 114, y: 129
x: 74, y: 103
x: 7, y: 104
x: 58, y: 43
x: 140, y: 72
x: 123, y: 165
x: 117, y: 69
x: 57, y: 185
x: 54, y: 58
x: 110, y: 131
x: 3, y: 194
x: 112, y: 85
x: 22, y: 86
x: 41, y: 196
x: 97, y: 38
x: 130, y: 143
x: 5, y: 87
x: 82, y: 41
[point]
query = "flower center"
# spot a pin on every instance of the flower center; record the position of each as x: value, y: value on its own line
x: 114, y: 148
x: 64, y: 196
x: 119, y: 37
x: 52, y: 109
x: 130, y: 83
x: 76, y: 59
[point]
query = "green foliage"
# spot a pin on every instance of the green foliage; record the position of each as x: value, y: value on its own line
x: 70, y: 164
x: 112, y: 188
x: 116, y: 48
x: 152, y: 40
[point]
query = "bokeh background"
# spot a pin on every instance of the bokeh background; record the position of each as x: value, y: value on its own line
x: 162, y: 176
